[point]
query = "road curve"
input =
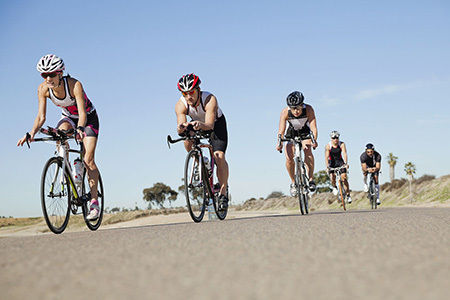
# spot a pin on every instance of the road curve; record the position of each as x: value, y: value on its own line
x: 398, y: 253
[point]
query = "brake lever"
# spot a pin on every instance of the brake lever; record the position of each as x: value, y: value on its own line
x: 169, y: 139
x: 28, y: 138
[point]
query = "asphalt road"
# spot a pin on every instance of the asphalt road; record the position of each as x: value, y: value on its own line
x: 400, y: 253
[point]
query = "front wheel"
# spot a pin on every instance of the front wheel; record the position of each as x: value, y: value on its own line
x: 373, y: 195
x: 55, y: 195
x: 86, y: 207
x: 195, y: 182
x: 341, y: 194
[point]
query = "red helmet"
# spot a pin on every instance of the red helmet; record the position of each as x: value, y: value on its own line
x: 188, y: 82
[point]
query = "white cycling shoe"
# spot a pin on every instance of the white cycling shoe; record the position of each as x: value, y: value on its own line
x: 94, y: 213
x: 349, y: 199
x: 293, y: 190
x: 378, y: 202
x: 335, y: 191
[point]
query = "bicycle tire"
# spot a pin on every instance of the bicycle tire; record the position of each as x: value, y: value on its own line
x: 341, y: 194
x: 372, y: 191
x: 305, y: 194
x: 194, y: 189
x: 299, y: 187
x: 93, y: 224
x: 56, y: 211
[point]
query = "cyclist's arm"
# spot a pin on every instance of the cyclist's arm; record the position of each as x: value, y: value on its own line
x: 327, y: 155
x: 364, y: 167
x: 210, y: 113
x: 181, y: 111
x: 377, y: 166
x: 312, y: 121
x: 79, y: 97
x: 42, y: 111
x: 344, y: 153
x: 282, y: 124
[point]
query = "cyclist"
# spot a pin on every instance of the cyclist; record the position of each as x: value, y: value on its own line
x: 371, y: 163
x: 302, y: 121
x: 336, y: 156
x: 205, y: 114
x: 78, y: 112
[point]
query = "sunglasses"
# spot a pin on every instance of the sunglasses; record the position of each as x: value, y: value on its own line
x: 188, y: 93
x: 51, y: 75
x: 299, y: 107
x: 335, y: 137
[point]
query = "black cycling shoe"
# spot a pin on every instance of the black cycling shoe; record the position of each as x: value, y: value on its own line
x: 312, y: 186
x: 223, y: 202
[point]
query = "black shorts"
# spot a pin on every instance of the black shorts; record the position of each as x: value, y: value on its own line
x: 337, y: 164
x: 92, y: 124
x: 219, y: 136
x: 304, y: 133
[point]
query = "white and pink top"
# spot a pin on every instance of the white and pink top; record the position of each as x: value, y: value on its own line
x: 198, y: 113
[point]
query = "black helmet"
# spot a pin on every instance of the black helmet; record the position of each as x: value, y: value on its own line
x: 295, y: 99
x: 370, y: 146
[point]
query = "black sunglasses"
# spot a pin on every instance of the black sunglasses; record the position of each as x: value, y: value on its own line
x: 51, y: 75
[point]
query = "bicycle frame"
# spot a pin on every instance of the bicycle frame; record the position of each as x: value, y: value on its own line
x: 338, y: 172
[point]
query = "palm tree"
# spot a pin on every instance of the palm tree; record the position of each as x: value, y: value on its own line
x: 392, y: 160
x: 410, y: 170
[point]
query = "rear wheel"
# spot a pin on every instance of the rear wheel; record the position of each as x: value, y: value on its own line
x: 86, y: 190
x: 195, y: 185
x: 55, y: 195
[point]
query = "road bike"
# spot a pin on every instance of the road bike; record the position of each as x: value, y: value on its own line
x: 340, y: 181
x: 301, y: 177
x: 60, y: 192
x: 200, y: 183
x: 372, y: 193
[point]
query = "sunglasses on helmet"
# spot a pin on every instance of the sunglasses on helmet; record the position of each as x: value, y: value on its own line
x: 51, y: 75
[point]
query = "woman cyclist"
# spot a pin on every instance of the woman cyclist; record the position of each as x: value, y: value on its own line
x: 78, y: 112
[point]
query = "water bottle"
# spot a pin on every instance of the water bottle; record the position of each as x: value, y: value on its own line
x: 77, y: 173
x: 211, y: 213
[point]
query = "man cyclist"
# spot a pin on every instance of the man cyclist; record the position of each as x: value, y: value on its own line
x: 205, y: 114
x: 336, y: 156
x: 302, y: 121
x: 371, y: 163
x: 77, y: 112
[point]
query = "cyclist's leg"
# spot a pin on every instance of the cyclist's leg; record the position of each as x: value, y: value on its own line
x: 333, y: 179
x: 309, y: 158
x: 188, y: 145
x: 90, y: 143
x: 377, y: 186
x: 65, y: 123
x: 290, y: 163
x: 222, y: 171
x: 344, y: 178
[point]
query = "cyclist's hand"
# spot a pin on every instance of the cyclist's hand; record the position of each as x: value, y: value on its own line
x: 24, y: 139
x: 80, y: 135
x: 197, y: 125
x: 347, y: 166
x: 182, y: 127
x: 314, y: 145
x: 279, y: 147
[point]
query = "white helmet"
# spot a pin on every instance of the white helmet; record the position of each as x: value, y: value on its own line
x: 50, y: 63
x: 334, y: 134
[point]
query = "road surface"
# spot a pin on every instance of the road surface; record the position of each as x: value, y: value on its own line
x: 397, y: 253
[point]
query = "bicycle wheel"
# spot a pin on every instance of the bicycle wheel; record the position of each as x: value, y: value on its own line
x: 300, y: 187
x: 195, y: 185
x: 373, y: 195
x: 305, y: 194
x: 341, y: 194
x: 55, y: 195
x: 86, y: 207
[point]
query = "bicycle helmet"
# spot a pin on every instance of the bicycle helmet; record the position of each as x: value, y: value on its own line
x: 188, y: 82
x: 50, y: 63
x: 370, y: 146
x: 295, y: 99
x: 334, y: 134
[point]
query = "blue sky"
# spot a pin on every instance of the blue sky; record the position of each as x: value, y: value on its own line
x: 375, y: 71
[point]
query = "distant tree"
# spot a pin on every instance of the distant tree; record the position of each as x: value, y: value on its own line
x: 158, y: 194
x: 115, y: 209
x: 392, y: 160
x: 410, y: 170
x: 322, y: 181
x: 275, y: 194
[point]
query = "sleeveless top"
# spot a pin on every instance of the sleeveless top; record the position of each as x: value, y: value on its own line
x: 298, y: 123
x: 199, y: 113
x: 69, y: 103
x: 335, y: 153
